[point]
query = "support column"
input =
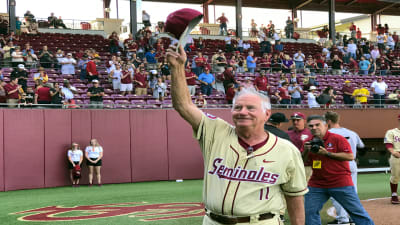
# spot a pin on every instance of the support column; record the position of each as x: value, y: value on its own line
x: 239, y: 30
x: 11, y: 15
x: 106, y: 5
x: 294, y: 16
x: 205, y: 13
x: 133, y: 17
x: 332, y: 31
x: 374, y: 22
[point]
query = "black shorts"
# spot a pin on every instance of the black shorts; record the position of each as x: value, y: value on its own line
x: 70, y: 166
x: 94, y: 164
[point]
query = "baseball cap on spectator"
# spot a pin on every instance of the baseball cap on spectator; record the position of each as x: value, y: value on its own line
x: 313, y: 88
x: 347, y: 81
x: 181, y: 22
x: 21, y: 66
x: 69, y: 54
x: 278, y: 118
x: 95, y: 81
x: 297, y: 116
x: 85, y: 56
x: 153, y: 71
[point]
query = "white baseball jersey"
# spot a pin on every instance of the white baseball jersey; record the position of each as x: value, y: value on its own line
x: 239, y: 184
x: 393, y: 137
x: 354, y: 141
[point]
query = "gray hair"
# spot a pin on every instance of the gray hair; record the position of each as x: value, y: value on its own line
x: 316, y: 117
x: 265, y: 102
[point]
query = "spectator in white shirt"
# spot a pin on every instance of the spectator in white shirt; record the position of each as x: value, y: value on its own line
x: 312, y: 98
x: 68, y: 65
x: 299, y: 59
x: 390, y: 41
x: 375, y: 53
x: 380, y: 39
x: 352, y: 48
x: 68, y: 91
x: 115, y: 75
x: 379, y: 88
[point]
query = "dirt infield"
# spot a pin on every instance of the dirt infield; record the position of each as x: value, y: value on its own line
x: 382, y: 211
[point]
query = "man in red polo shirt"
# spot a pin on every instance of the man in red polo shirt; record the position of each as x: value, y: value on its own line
x: 222, y: 26
x: 140, y: 80
x: 92, y: 69
x: 12, y: 91
x: 261, y: 83
x: 298, y: 135
x: 190, y: 80
x: 331, y: 174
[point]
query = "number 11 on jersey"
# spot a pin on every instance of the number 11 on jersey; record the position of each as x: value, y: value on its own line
x: 266, y: 191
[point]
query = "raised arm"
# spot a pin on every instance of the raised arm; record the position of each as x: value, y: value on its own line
x: 181, y: 99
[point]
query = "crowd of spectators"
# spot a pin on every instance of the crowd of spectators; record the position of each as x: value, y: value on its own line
x: 137, y: 65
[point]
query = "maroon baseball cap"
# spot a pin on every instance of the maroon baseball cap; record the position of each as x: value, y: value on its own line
x: 181, y: 22
x: 297, y: 116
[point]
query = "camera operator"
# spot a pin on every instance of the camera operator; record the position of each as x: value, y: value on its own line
x: 329, y: 154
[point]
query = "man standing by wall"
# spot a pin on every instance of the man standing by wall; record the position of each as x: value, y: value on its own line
x: 332, y: 118
x: 329, y: 153
x: 392, y: 143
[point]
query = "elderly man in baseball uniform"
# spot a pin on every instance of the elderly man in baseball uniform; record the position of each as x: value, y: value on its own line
x: 248, y: 173
x: 333, y: 118
x: 392, y: 143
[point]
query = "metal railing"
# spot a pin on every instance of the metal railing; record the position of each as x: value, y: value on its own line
x: 169, y: 106
x: 69, y: 24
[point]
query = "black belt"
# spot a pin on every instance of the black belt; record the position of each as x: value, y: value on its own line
x: 234, y: 220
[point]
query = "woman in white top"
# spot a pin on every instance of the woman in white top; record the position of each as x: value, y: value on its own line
x: 115, y: 75
x: 94, y: 154
x: 312, y: 98
x: 75, y: 158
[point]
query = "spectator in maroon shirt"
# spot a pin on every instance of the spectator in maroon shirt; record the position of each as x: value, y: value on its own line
x: 228, y: 77
x: 140, y: 80
x: 347, y: 91
x: 283, y: 94
x: 126, y: 80
x: 223, y: 24
x: 353, y: 66
x: 382, y: 66
x: 12, y: 91
x: 230, y: 93
x: 191, y: 80
x: 42, y: 94
x: 261, y: 83
x: 91, y: 69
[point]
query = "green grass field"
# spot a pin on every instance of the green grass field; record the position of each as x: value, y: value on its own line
x: 370, y: 186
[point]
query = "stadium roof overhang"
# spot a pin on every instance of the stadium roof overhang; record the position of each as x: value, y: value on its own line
x: 386, y: 7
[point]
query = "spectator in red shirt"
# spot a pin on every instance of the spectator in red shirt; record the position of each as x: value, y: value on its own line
x: 358, y: 34
x: 140, y: 80
x: 12, y: 91
x: 283, y: 94
x: 42, y: 94
x: 200, y: 61
x: 331, y: 174
x: 91, y: 69
x: 223, y: 24
x: 261, y: 83
x: 353, y: 29
x: 191, y: 80
x: 228, y: 77
x: 382, y: 66
x: 230, y: 93
x: 126, y: 80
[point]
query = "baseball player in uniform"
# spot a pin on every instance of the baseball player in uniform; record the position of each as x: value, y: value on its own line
x: 392, y: 143
x: 332, y: 119
x: 246, y: 169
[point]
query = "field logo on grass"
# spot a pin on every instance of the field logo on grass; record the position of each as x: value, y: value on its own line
x: 154, y: 212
